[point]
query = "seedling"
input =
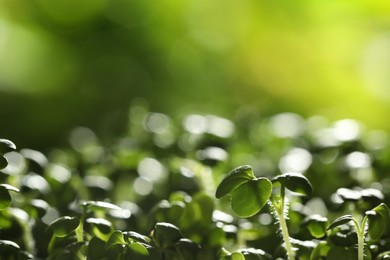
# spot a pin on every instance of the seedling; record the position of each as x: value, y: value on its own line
x: 376, y: 221
x: 249, y: 194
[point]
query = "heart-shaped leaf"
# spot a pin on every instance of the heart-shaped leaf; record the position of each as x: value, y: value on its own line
x: 295, y: 182
x: 234, y: 179
x: 378, y: 221
x: 63, y: 226
x: 340, y: 221
x: 250, y: 197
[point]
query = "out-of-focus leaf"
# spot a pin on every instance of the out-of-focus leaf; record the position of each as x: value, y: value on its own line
x: 134, y: 236
x: 8, y: 243
x: 378, y: 221
x: 320, y: 251
x: 165, y: 234
x: 316, y: 225
x: 95, y: 249
x: 383, y: 255
x: 6, y: 146
x: 63, y: 226
x: 116, y: 238
x: 3, y: 162
x: 100, y: 205
x: 139, y: 248
x: 187, y: 249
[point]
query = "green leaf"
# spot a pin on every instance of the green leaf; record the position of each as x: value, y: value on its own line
x: 134, y: 236
x: 165, y: 234
x: 383, y: 255
x: 250, y: 197
x: 378, y: 221
x: 338, y: 253
x: 234, y: 179
x: 8, y: 243
x: 6, y: 146
x: 202, y: 206
x: 340, y: 221
x: 5, y: 198
x: 96, y: 249
x: 100, y: 205
x: 295, y: 182
x: 347, y: 253
x: 236, y: 256
x: 320, y: 251
x: 316, y: 225
x: 252, y: 253
x: 9, y: 187
x: 187, y: 249
x: 139, y: 248
x: 63, y: 226
x: 116, y: 238
x: 100, y: 227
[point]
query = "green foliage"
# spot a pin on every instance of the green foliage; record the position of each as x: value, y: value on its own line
x: 142, y: 197
x: 250, y: 197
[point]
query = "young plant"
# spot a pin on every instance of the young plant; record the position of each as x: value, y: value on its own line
x: 375, y: 221
x: 249, y: 194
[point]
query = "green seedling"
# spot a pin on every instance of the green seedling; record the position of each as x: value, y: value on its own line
x: 95, y: 206
x: 249, y: 194
x: 375, y: 221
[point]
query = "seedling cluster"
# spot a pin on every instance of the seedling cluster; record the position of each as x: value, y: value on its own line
x: 307, y: 189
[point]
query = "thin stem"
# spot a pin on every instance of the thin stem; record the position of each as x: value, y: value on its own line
x: 286, y: 236
x: 279, y: 209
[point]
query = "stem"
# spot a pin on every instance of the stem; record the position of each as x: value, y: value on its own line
x: 80, y: 229
x: 279, y: 209
x: 360, y: 234
x: 286, y: 237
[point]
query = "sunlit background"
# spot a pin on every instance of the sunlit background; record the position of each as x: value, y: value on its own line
x: 68, y: 63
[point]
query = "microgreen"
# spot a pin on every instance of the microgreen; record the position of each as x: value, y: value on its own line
x: 249, y: 194
x: 146, y: 196
x: 375, y: 220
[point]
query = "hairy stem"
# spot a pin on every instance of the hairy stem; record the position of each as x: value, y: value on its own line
x: 279, y: 210
x: 286, y: 237
x: 360, y: 234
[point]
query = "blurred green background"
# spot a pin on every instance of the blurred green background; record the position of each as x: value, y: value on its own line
x: 65, y: 63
